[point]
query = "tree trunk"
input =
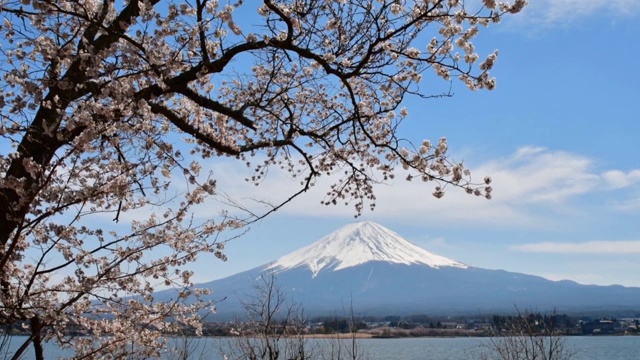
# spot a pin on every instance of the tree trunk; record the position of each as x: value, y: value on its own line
x: 36, y: 328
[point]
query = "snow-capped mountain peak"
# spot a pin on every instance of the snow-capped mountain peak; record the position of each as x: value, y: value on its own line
x: 359, y: 243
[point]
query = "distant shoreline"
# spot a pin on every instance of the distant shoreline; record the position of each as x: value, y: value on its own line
x: 430, y: 336
x: 339, y: 336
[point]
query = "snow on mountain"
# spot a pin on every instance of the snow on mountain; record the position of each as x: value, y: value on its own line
x: 359, y: 243
x: 380, y: 274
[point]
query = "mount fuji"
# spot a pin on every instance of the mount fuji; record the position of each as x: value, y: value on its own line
x: 380, y: 273
x: 357, y: 244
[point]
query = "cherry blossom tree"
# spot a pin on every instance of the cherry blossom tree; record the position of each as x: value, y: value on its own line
x: 105, y: 106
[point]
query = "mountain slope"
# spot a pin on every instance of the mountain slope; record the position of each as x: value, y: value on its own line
x: 381, y: 274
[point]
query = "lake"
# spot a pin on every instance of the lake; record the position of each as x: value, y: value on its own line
x: 585, y: 347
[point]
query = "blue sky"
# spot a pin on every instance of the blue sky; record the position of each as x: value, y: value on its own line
x: 559, y: 136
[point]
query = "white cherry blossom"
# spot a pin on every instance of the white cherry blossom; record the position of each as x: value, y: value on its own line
x: 106, y: 108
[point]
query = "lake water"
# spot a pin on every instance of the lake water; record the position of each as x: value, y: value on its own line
x: 585, y: 347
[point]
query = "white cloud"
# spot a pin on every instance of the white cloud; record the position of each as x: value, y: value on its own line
x: 435, y: 243
x: 622, y: 247
x: 530, y: 179
x: 531, y: 187
x: 619, y: 179
x: 538, y: 175
x: 527, y: 151
x: 563, y: 12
